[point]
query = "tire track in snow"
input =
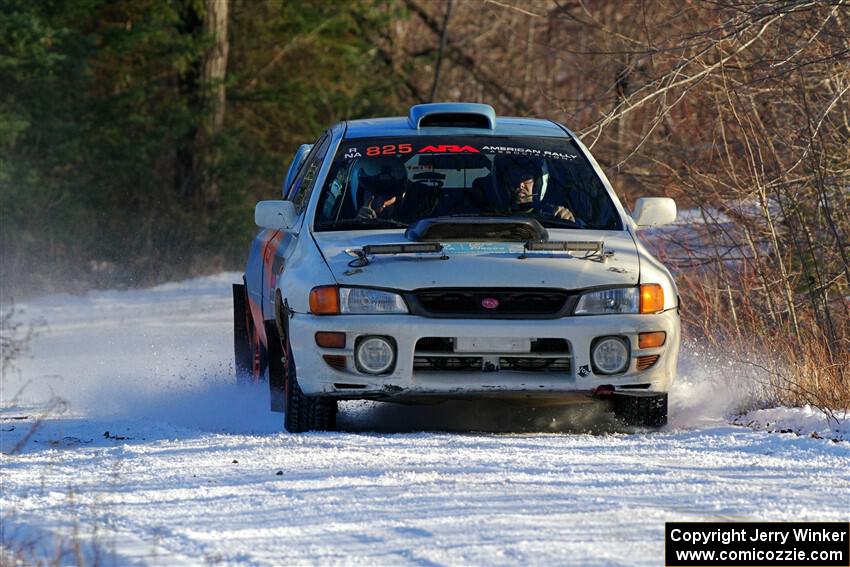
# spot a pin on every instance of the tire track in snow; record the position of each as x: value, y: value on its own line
x: 153, y: 367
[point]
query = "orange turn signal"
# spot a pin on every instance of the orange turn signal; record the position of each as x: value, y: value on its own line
x: 330, y: 340
x: 652, y: 340
x: 324, y: 300
x: 651, y: 298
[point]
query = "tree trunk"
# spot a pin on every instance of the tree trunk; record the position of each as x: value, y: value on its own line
x: 444, y: 35
x: 213, y: 73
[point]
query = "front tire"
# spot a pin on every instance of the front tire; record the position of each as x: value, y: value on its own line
x: 302, y: 412
x: 306, y: 413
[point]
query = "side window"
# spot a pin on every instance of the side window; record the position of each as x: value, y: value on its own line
x: 301, y: 188
x: 332, y: 200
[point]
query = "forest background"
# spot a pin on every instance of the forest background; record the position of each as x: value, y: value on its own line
x: 137, y: 135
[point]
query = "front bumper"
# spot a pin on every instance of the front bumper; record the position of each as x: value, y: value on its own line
x: 574, y: 379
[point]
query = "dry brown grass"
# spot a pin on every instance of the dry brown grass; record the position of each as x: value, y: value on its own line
x: 796, y: 370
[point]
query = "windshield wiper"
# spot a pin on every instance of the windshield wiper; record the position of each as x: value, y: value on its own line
x: 481, y: 214
x: 564, y: 223
x: 546, y: 221
x: 560, y: 223
x: 361, y: 223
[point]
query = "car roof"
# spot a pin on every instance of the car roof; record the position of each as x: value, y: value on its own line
x: 407, y: 126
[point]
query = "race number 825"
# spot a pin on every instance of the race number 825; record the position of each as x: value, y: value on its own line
x: 389, y: 150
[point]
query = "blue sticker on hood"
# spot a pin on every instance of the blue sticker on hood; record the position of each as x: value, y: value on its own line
x: 459, y: 248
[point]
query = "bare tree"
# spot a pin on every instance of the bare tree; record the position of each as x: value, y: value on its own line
x: 738, y: 109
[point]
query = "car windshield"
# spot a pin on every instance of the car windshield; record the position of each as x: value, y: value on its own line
x: 395, y: 182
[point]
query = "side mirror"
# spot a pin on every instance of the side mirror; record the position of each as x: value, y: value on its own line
x: 654, y: 211
x: 276, y: 215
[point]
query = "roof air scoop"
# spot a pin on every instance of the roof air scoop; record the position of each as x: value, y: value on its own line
x: 452, y: 115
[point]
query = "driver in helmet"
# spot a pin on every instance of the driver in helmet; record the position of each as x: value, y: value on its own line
x: 383, y: 181
x: 522, y: 176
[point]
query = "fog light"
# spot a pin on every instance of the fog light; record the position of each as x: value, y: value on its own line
x: 375, y: 355
x: 610, y: 355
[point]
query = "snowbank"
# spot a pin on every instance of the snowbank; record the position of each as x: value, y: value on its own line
x: 807, y: 421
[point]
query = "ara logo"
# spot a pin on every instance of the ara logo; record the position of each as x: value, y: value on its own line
x: 584, y: 370
x: 449, y: 149
x: 352, y: 153
x: 489, y: 303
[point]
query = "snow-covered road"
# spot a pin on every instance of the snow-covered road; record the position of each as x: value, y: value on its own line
x: 158, y: 458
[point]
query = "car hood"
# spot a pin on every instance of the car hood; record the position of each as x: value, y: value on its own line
x: 481, y: 264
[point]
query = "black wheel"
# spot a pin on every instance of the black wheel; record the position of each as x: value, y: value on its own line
x: 243, y: 359
x: 301, y: 412
x: 304, y: 413
x: 276, y: 369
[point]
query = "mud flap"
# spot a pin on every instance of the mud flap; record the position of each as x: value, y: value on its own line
x: 640, y: 407
x: 241, y: 348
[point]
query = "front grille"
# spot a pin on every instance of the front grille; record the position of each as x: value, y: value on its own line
x: 436, y: 354
x: 471, y: 302
x: 448, y: 363
x: 535, y: 364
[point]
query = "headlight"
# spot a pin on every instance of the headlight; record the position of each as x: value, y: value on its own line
x: 619, y: 300
x: 331, y: 300
x: 360, y: 300
x: 646, y: 298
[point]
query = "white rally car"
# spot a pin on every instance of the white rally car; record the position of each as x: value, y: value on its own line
x: 454, y: 254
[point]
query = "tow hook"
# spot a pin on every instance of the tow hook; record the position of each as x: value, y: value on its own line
x: 603, y: 392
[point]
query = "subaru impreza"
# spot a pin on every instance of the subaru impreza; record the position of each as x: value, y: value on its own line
x: 454, y: 254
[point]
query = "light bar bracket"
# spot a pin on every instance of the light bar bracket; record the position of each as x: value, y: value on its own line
x: 593, y: 249
x: 361, y: 255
